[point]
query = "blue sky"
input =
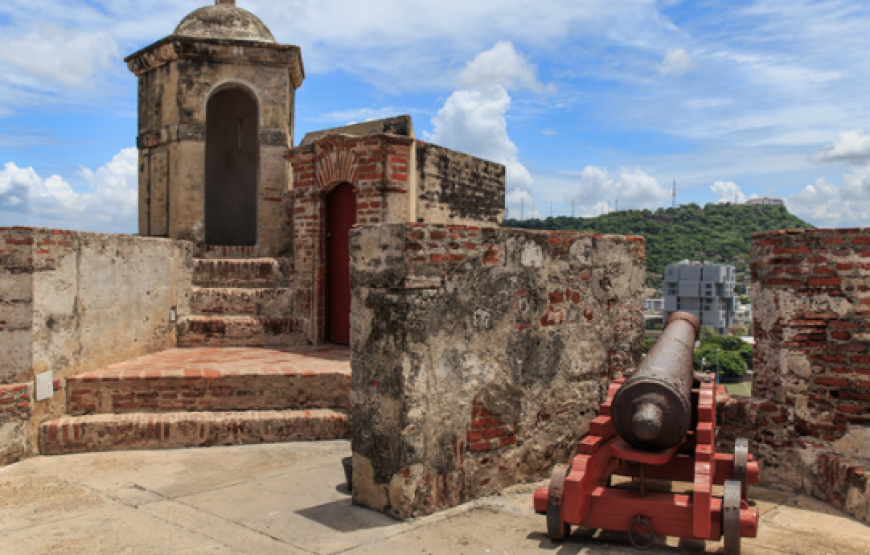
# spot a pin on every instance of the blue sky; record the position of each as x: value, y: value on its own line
x: 587, y: 102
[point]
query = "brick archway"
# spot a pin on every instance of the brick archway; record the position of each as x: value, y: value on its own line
x: 377, y: 168
x: 335, y: 163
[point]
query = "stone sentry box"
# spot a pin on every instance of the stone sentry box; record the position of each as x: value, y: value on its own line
x: 216, y: 116
x: 480, y: 355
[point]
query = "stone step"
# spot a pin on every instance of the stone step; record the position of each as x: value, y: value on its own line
x: 239, y: 331
x: 239, y: 272
x: 223, y: 251
x: 274, y: 302
x: 199, y: 386
x: 119, y: 432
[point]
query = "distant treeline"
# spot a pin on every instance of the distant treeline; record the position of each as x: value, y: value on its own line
x: 714, y: 233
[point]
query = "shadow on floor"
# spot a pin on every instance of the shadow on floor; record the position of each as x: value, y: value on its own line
x: 344, y: 516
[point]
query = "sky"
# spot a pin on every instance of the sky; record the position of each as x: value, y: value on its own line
x: 592, y: 105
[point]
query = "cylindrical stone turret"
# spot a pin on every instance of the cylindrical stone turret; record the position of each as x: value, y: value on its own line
x: 652, y: 410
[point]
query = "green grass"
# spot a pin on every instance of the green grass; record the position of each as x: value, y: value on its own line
x: 743, y: 389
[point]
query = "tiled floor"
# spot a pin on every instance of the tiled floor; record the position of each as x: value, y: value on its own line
x: 229, y: 361
x: 289, y: 499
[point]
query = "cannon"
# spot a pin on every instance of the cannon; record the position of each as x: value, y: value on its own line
x: 656, y: 428
x: 652, y: 411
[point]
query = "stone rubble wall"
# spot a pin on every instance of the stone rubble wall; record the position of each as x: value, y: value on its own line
x: 809, y: 417
x: 457, y: 188
x: 480, y: 355
x: 75, y: 302
x: 15, y: 411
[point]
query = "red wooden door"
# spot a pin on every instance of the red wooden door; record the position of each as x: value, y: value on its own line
x: 340, y: 217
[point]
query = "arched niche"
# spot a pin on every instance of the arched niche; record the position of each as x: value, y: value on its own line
x: 232, y: 154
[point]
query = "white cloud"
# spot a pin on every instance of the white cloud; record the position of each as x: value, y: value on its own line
x: 676, y: 62
x: 408, y: 44
x: 500, y: 65
x: 53, y: 65
x: 828, y: 205
x: 53, y: 54
x: 851, y: 147
x: 631, y: 188
x: 473, y: 121
x: 474, y: 118
x: 108, y: 201
x: 727, y: 191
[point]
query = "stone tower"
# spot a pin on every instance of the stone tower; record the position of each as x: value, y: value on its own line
x: 216, y: 110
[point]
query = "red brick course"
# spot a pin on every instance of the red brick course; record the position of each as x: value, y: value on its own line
x: 205, y: 396
x: 15, y: 402
x: 216, y: 379
x: 114, y: 432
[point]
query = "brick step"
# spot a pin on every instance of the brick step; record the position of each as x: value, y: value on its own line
x: 223, y: 251
x: 275, y: 302
x: 238, y: 331
x: 239, y: 272
x: 119, y: 432
x: 200, y: 388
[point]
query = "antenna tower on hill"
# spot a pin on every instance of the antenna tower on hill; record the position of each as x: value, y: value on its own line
x: 674, y: 195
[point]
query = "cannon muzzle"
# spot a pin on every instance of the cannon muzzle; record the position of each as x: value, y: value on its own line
x: 652, y: 410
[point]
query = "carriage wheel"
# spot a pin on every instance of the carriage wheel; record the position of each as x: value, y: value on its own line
x: 741, y: 460
x: 731, y: 517
x: 556, y: 529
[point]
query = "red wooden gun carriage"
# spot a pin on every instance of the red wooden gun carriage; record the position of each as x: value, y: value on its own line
x: 656, y: 425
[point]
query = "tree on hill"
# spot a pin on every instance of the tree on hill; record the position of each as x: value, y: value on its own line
x: 732, y: 354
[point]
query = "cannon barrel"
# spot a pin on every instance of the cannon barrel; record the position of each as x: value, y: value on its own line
x: 652, y: 410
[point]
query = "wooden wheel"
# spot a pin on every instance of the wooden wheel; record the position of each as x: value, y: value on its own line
x: 741, y: 460
x: 731, y: 517
x: 556, y: 529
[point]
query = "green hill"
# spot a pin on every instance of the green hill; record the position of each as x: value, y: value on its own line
x: 714, y: 233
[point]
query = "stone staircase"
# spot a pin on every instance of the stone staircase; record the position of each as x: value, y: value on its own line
x: 240, y: 300
x: 205, y: 396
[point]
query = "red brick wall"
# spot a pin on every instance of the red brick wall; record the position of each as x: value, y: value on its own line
x: 15, y: 411
x: 15, y: 401
x: 811, y: 301
x: 811, y: 389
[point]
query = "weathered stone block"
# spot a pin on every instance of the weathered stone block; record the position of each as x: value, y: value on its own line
x: 464, y: 381
x: 79, y: 301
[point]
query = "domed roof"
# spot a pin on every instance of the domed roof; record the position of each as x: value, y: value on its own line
x: 224, y: 21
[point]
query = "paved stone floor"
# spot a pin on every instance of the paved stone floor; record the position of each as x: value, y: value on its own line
x: 207, y: 362
x: 290, y: 499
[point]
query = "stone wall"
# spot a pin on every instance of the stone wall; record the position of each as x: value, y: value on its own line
x: 810, y: 411
x: 74, y: 302
x: 456, y: 188
x: 15, y: 410
x: 480, y: 355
